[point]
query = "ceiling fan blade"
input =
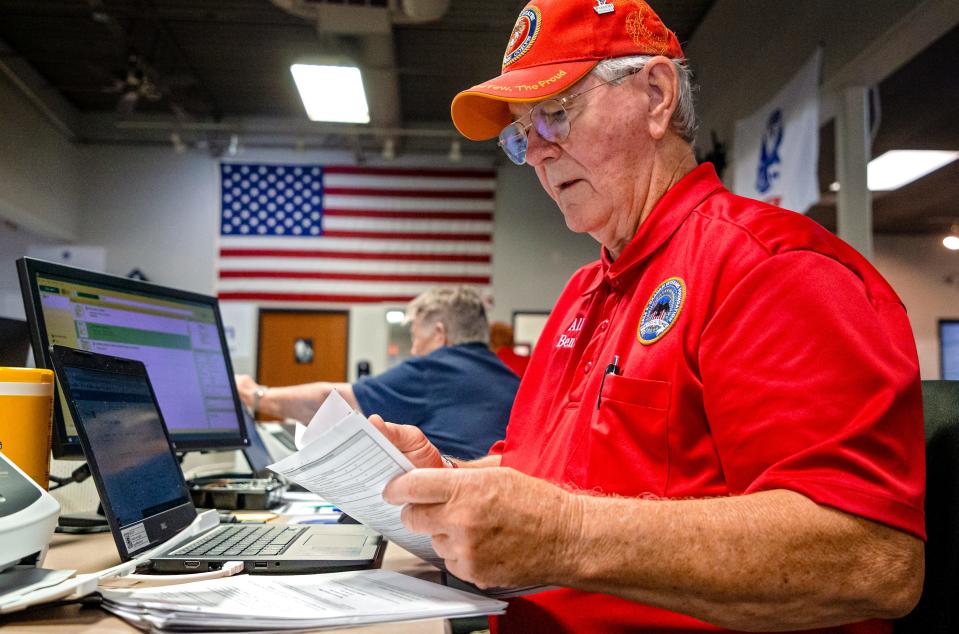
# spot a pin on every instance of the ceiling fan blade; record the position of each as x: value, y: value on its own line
x: 128, y: 103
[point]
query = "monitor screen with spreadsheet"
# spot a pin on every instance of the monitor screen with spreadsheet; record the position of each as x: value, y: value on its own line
x: 178, y: 335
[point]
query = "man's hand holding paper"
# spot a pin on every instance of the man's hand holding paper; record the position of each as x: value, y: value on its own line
x: 489, y: 525
x: 411, y: 441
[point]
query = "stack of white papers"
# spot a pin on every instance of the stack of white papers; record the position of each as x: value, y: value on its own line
x: 293, y: 602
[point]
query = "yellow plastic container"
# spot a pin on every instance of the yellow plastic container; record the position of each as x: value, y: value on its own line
x: 26, y: 409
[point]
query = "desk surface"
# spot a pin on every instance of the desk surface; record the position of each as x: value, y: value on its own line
x: 88, y: 553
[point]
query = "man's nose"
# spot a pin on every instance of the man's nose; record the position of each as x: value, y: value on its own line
x: 539, y: 149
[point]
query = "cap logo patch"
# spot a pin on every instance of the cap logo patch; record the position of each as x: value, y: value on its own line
x: 646, y: 30
x: 603, y: 7
x: 661, y: 310
x: 523, y: 35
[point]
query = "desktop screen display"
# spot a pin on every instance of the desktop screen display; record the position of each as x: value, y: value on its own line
x: 949, y: 349
x: 177, y: 335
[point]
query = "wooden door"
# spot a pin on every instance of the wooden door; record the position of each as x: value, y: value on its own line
x: 302, y: 347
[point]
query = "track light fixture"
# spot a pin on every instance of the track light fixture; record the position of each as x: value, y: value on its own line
x: 951, y: 241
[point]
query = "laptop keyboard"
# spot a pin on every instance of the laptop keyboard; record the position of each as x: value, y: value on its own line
x: 240, y: 541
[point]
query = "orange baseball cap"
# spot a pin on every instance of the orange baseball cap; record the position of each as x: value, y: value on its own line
x: 552, y: 46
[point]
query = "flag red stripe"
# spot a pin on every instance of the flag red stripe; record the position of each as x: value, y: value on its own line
x: 399, y: 171
x: 354, y: 255
x: 416, y: 215
x: 395, y: 235
x: 313, y: 297
x: 361, y: 277
x: 406, y: 193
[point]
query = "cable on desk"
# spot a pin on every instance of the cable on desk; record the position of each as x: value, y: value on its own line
x: 79, y: 474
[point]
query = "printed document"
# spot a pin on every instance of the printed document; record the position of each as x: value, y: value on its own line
x: 293, y: 602
x: 344, y: 459
x: 349, y: 467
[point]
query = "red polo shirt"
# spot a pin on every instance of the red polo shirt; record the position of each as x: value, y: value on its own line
x: 756, y: 351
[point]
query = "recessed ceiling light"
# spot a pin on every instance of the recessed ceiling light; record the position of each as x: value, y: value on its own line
x: 951, y: 242
x: 332, y: 93
x: 897, y: 168
x: 395, y: 316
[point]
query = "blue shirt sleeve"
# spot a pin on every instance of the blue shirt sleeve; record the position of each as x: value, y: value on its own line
x: 399, y: 395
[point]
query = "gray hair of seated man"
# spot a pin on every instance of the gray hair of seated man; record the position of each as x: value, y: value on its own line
x: 459, y: 308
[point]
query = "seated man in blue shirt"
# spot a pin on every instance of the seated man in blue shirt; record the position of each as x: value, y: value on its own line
x: 453, y: 388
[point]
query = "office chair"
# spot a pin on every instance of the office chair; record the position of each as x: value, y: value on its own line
x: 938, y: 608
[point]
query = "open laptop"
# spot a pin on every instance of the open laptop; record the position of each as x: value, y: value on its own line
x: 146, y: 500
x: 256, y: 453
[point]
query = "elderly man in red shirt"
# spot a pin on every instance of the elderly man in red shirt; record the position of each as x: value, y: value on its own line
x: 721, y: 424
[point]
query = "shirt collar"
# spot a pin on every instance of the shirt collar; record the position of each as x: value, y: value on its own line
x: 665, y: 218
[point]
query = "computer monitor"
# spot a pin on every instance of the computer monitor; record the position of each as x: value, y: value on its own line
x: 178, y: 335
x: 949, y: 348
x: 14, y: 342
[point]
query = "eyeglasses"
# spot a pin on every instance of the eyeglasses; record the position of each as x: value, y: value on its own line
x: 550, y: 119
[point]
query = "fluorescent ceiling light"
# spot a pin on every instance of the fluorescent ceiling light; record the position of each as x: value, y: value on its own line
x: 897, y: 168
x: 332, y: 93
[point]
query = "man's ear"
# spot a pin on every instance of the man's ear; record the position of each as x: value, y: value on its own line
x: 439, y: 330
x: 662, y: 90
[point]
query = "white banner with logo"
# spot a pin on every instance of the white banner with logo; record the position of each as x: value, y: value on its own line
x: 777, y: 147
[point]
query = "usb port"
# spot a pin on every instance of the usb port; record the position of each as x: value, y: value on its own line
x: 191, y: 564
x: 260, y: 564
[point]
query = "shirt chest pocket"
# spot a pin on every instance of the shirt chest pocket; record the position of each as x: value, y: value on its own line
x: 626, y: 447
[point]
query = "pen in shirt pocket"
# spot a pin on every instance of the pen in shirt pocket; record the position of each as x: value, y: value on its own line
x: 612, y: 368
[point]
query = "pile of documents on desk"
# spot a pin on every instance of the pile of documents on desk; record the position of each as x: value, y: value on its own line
x: 293, y: 602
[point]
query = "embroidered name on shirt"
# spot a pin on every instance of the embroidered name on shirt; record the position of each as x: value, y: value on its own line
x: 567, y: 341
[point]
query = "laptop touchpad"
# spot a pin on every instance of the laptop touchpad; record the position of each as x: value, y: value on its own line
x: 339, y: 544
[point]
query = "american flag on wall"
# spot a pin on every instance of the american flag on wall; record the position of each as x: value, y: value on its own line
x: 329, y: 234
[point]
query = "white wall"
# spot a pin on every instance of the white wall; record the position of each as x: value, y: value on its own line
x: 39, y: 184
x: 39, y: 188
x: 152, y: 209
x: 926, y: 276
x: 368, y: 338
x: 533, y: 251
x: 15, y: 241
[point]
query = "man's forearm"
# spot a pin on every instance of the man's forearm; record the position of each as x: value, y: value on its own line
x: 479, y: 463
x: 767, y: 561
x: 300, y: 402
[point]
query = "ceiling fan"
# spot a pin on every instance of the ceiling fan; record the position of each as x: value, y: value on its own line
x: 134, y: 87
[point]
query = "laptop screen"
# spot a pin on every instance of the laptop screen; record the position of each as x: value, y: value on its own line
x: 256, y: 454
x: 126, y: 443
x: 141, y: 475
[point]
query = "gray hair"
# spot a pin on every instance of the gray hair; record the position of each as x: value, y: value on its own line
x: 459, y: 308
x: 684, y: 117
